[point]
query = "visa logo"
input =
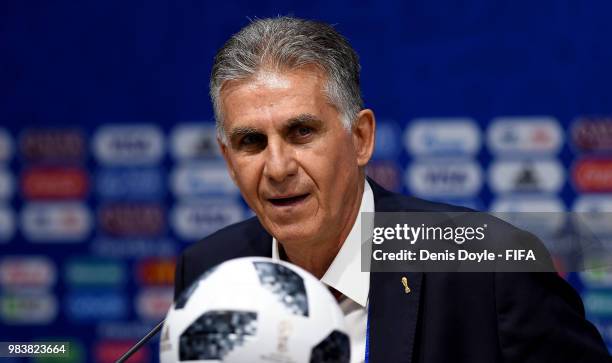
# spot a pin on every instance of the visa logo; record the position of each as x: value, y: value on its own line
x: 129, y: 144
x: 444, y: 178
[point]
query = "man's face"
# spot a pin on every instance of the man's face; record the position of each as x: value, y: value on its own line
x: 288, y: 152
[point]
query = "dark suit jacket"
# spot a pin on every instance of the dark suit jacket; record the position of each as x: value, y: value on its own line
x: 448, y: 317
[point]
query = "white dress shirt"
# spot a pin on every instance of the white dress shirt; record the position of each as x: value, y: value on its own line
x: 345, y: 275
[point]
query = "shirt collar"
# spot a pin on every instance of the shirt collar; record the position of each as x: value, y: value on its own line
x: 344, y: 274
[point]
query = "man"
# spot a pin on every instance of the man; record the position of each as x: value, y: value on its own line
x: 296, y: 139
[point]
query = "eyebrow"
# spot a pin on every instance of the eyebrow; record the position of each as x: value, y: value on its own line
x: 299, y: 120
x: 239, y: 131
x: 302, y: 119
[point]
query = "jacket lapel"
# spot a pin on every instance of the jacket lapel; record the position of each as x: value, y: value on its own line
x: 393, y: 316
x: 393, y: 313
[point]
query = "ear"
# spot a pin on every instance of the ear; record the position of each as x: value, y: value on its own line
x: 225, y: 152
x: 364, y: 132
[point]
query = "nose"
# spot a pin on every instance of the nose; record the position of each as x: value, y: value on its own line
x: 280, y: 162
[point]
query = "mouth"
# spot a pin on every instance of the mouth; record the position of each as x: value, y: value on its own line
x: 288, y: 201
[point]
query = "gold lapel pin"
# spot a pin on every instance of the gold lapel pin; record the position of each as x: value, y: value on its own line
x: 405, y: 283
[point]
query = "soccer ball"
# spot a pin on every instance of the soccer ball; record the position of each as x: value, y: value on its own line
x: 255, y: 310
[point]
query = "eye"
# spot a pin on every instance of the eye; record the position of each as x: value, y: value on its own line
x: 252, y: 141
x: 304, y: 131
x: 301, y: 133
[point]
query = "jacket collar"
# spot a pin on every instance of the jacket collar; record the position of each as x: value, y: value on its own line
x: 393, y: 313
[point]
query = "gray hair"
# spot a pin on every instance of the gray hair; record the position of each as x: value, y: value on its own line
x: 286, y: 43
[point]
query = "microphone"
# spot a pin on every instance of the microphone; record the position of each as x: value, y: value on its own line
x: 141, y: 342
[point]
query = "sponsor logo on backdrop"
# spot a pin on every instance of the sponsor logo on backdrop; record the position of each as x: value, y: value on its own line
x: 133, y: 247
x: 593, y: 175
x: 594, y: 213
x: 130, y: 183
x: 385, y: 173
x: 388, y: 140
x: 52, y: 144
x: 55, y: 221
x: 517, y: 176
x: 96, y: 305
x: 201, y: 179
x: 132, y: 219
x: 7, y: 224
x: 28, y: 308
x: 194, y: 220
x: 592, y: 133
x: 444, y: 178
x: 92, y: 272
x: 153, y: 303
x: 6, y: 184
x: 108, y: 351
x: 532, y: 135
x: 449, y: 136
x: 195, y: 141
x: 598, y: 304
x: 6, y: 146
x: 25, y: 272
x: 128, y: 144
x: 54, y: 182
x: 541, y: 215
x: 156, y: 271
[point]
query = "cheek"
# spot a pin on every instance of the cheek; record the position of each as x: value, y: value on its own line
x: 247, y: 176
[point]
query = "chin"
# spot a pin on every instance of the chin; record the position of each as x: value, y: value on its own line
x: 294, y: 234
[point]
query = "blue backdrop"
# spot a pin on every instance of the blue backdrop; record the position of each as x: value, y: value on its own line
x: 108, y: 165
